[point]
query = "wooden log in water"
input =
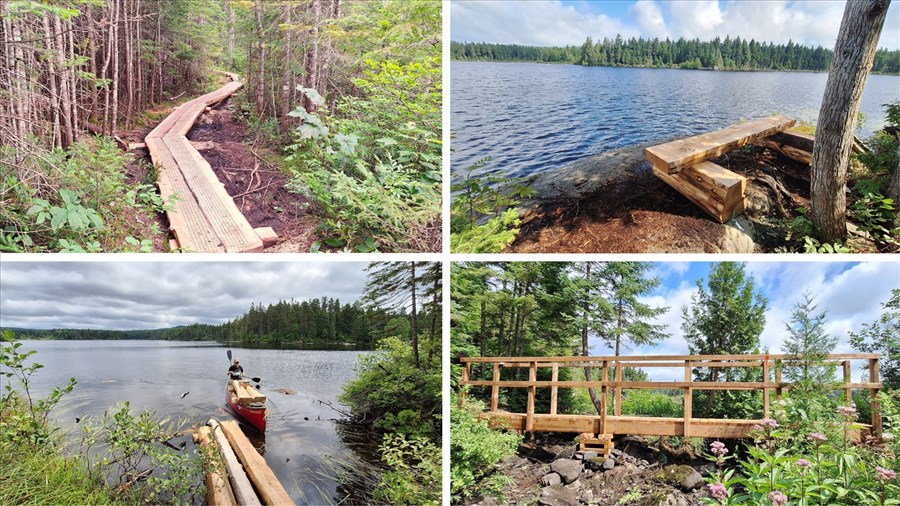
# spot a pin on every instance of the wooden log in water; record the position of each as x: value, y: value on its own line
x: 240, y: 484
x: 270, y: 489
x: 218, y: 490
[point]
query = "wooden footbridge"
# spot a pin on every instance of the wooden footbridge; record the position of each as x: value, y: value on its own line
x: 236, y: 473
x: 203, y: 217
x: 684, y: 163
x: 597, y: 430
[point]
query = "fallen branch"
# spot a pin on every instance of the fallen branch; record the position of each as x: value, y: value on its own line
x: 254, y: 190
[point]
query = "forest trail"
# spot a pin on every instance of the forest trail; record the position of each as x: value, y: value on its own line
x: 203, y: 217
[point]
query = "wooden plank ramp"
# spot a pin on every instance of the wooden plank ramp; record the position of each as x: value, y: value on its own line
x: 240, y: 475
x: 203, y: 218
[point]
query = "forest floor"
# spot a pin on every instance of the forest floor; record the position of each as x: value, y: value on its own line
x: 613, y: 203
x: 256, y: 185
x: 551, y: 472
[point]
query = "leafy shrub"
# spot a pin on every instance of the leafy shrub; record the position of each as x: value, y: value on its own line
x: 650, y: 403
x: 73, y: 201
x: 394, y: 395
x: 414, y: 471
x: 374, y: 167
x: 474, y: 449
x: 875, y: 215
x: 483, y: 215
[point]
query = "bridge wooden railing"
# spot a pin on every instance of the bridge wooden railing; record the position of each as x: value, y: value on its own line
x: 771, y: 367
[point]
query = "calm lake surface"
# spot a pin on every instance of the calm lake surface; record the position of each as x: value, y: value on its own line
x: 531, y: 117
x: 153, y: 374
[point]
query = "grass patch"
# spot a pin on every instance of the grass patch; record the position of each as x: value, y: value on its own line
x: 45, y: 477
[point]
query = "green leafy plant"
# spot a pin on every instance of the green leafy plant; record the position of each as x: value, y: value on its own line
x: 875, y: 215
x: 414, y: 467
x: 474, y: 450
x: 483, y: 215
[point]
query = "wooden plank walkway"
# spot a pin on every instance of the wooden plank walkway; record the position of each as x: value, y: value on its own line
x: 671, y: 156
x: 203, y: 218
x: 598, y: 429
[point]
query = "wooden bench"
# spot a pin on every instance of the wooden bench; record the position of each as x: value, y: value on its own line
x: 683, y: 164
x: 203, y: 217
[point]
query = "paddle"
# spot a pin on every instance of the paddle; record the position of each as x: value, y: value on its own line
x: 255, y: 380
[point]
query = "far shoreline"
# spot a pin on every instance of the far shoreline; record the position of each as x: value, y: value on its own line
x: 707, y: 69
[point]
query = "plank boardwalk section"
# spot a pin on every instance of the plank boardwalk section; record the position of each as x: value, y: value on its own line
x: 203, y: 217
x: 240, y: 475
x: 597, y: 431
x: 684, y: 164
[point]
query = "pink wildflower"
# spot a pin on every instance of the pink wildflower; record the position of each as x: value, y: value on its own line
x: 757, y: 427
x: 847, y: 411
x: 769, y: 423
x: 804, y: 464
x: 815, y: 436
x: 718, y: 490
x: 718, y: 449
x: 777, y: 498
x: 885, y: 474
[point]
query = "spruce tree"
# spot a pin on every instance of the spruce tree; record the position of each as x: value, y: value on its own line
x: 808, y: 343
x: 726, y: 317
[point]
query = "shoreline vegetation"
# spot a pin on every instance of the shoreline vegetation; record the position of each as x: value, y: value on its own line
x: 717, y: 55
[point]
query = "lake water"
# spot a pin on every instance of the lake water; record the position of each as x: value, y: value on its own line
x: 154, y: 374
x: 531, y: 117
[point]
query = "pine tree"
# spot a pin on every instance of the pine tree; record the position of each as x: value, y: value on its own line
x: 808, y: 342
x: 883, y: 336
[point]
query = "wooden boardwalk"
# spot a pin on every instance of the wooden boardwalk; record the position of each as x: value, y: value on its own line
x: 203, y: 218
x: 684, y: 165
x: 599, y: 429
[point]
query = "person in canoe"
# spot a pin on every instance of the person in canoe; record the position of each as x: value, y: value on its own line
x: 236, y: 372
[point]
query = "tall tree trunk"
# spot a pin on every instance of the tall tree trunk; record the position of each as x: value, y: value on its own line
x: 140, y: 52
x: 50, y: 56
x: 312, y: 58
x: 67, y: 133
x: 853, y: 56
x: 288, y: 71
x: 159, y: 53
x: 413, y: 317
x: 229, y: 20
x: 129, y: 62
x: 115, y: 74
x: 105, y: 69
x: 261, y: 56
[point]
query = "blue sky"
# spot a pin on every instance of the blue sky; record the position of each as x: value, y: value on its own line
x: 851, y: 292
x: 557, y: 22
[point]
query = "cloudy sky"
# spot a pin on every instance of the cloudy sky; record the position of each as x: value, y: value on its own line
x: 142, y: 295
x: 852, y: 293
x: 547, y: 23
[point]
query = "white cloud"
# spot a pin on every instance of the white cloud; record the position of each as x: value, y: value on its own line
x: 806, y: 22
x: 530, y: 23
x: 650, y: 18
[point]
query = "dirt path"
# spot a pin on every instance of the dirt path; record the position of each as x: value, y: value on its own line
x: 257, y: 187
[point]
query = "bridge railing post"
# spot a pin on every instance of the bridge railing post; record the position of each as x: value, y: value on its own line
x: 766, y: 387
x: 688, y: 397
x: 848, y: 392
x: 603, y: 396
x: 495, y: 388
x: 875, y: 377
x: 617, y: 401
x: 554, y: 376
x: 532, y: 389
x: 778, y: 388
x: 464, y: 379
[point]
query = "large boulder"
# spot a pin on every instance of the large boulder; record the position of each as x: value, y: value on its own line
x: 684, y: 477
x: 557, y: 495
x: 568, y: 469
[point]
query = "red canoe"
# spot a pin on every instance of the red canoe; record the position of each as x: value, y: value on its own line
x: 249, y: 404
